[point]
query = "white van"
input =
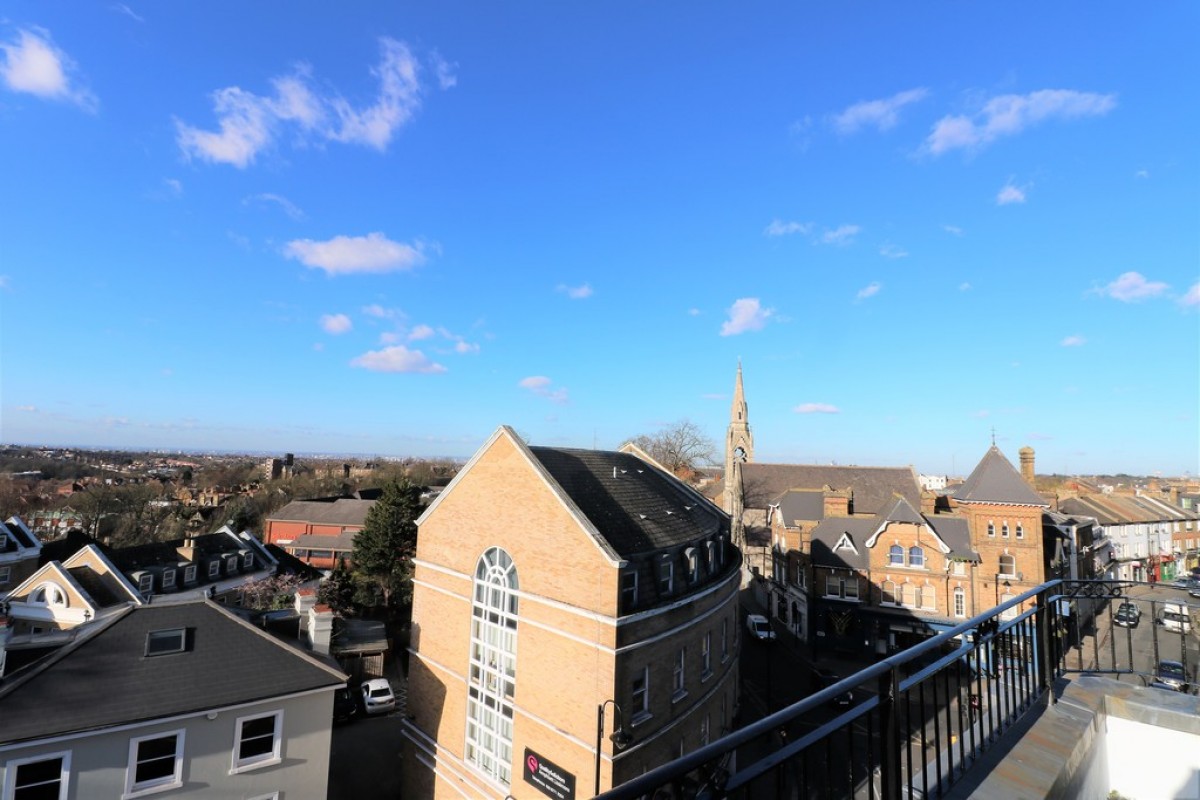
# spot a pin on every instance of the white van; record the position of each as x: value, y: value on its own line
x: 1175, y: 618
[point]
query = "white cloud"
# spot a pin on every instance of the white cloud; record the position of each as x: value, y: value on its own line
x: 964, y: 287
x: 33, y: 65
x: 580, y: 292
x: 843, y: 234
x: 953, y: 230
x: 870, y: 290
x: 345, y: 255
x: 389, y: 337
x: 746, y: 314
x: 1131, y: 287
x: 800, y: 131
x: 27, y: 409
x: 378, y: 311
x: 286, y: 205
x: 890, y: 250
x: 335, y: 323
x: 780, y: 228
x: 463, y: 347
x: 693, y: 312
x: 248, y: 123
x: 420, y: 332
x: 121, y: 8
x: 1142, y: 173
x: 816, y: 408
x: 1009, y: 114
x: 444, y: 71
x: 174, y: 186
x: 1073, y: 341
x: 1010, y: 194
x: 397, y: 358
x: 880, y: 114
x: 1189, y: 300
x: 540, y: 385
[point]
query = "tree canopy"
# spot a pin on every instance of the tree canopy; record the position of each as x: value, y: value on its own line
x: 681, y: 447
x: 384, y: 548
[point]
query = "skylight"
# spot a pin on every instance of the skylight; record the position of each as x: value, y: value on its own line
x: 160, y: 643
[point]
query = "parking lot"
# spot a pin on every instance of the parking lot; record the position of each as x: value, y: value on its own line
x: 364, y: 758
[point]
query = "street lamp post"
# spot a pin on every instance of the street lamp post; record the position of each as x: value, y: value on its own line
x: 620, y: 737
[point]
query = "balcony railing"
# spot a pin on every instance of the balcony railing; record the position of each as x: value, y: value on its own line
x: 921, y: 718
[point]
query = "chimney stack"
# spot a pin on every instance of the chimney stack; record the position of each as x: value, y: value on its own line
x: 320, y: 628
x: 1027, y: 466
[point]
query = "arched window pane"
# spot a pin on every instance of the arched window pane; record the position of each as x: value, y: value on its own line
x: 493, y: 665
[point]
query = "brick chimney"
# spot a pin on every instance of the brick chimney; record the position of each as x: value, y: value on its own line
x: 320, y: 628
x: 837, y: 502
x: 305, y: 600
x: 1027, y: 466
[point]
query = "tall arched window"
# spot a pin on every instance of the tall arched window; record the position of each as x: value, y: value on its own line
x: 1008, y: 565
x: 493, y: 672
x: 916, y: 557
x: 896, y: 555
x: 888, y: 593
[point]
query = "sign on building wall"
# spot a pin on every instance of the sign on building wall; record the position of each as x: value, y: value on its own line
x: 551, y: 779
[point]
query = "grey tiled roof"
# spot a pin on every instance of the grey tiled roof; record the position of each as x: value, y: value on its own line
x: 798, y: 505
x: 996, y: 480
x: 17, y: 535
x: 635, y: 507
x: 828, y: 533
x: 343, y: 511
x: 343, y: 541
x: 956, y: 533
x: 900, y: 510
x: 104, y: 678
x: 874, y: 487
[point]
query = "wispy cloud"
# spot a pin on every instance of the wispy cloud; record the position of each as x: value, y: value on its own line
x: 1010, y: 114
x: 693, y: 312
x: 964, y: 287
x: 121, y: 8
x: 27, y: 409
x: 33, y: 65
x: 581, y: 292
x: 780, y: 228
x: 953, y: 230
x: 421, y: 332
x: 346, y: 255
x: 335, y: 323
x: 1073, y: 341
x: 816, y: 408
x: 379, y: 312
x: 843, y: 234
x: 1130, y: 287
x: 1010, y: 194
x: 746, y: 314
x: 396, y: 359
x: 248, y: 123
x: 3, y: 283
x: 879, y: 114
x: 1142, y: 173
x: 542, y: 387
x: 1192, y: 298
x: 870, y: 290
x: 1039, y: 437
x: 266, y: 198
x: 174, y: 187
x: 444, y: 71
x: 890, y: 250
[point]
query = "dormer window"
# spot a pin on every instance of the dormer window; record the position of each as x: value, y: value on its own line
x: 693, y: 562
x: 146, y: 583
x: 629, y: 588
x: 168, y: 579
x: 189, y: 573
x: 248, y: 561
x: 161, y: 643
x: 48, y: 594
x: 231, y: 564
x: 666, y: 575
x: 710, y: 548
x: 214, y: 568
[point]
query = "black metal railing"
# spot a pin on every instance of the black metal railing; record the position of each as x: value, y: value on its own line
x: 921, y: 718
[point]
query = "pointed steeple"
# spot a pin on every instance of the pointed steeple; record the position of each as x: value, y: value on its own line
x: 738, y: 412
x: 739, y: 444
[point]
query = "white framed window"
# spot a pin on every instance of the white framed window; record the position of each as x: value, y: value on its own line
x: 960, y: 602
x: 44, y: 776
x: 693, y: 562
x: 257, y: 741
x: 5, y: 575
x: 493, y: 667
x: 189, y: 573
x: 678, y: 675
x: 640, y: 695
x: 1020, y: 531
x: 991, y: 528
x: 629, y: 589
x: 841, y: 588
x: 231, y: 564
x: 214, y: 568
x: 248, y: 561
x: 706, y: 655
x: 155, y: 764
x: 168, y: 578
x: 666, y: 575
x: 145, y: 583
x: 1004, y: 529
x: 710, y: 548
x: 887, y: 593
x: 896, y: 555
x: 1008, y: 566
x: 916, y: 557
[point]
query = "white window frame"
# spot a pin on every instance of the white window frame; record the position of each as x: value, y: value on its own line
x: 168, y: 579
x: 919, y: 552
x: 640, y: 698
x: 841, y: 585
x: 248, y: 561
x: 172, y: 781
x: 1004, y: 529
x: 706, y: 655
x: 629, y: 589
x: 1000, y: 566
x: 189, y: 573
x: 960, y: 602
x: 146, y: 583
x: 263, y: 759
x: 214, y: 568
x: 5, y: 575
x: 666, y: 575
x: 896, y: 555
x: 958, y: 568
x: 679, y: 676
x: 724, y: 639
x: 693, y: 561
x: 64, y: 780
x: 991, y: 529
x: 884, y: 592
x: 1020, y: 531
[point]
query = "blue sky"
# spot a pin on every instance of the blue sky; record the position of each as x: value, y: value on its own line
x: 387, y: 229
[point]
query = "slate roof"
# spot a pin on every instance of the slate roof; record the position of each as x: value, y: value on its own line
x: 956, y: 533
x: 104, y: 678
x: 996, y: 480
x: 1113, y: 509
x: 18, y: 537
x: 798, y: 505
x: 873, y: 487
x: 344, y: 541
x: 901, y: 510
x: 342, y: 511
x: 828, y: 533
x: 638, y: 509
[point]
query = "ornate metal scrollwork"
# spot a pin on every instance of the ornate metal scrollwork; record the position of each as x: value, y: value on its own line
x: 1101, y: 590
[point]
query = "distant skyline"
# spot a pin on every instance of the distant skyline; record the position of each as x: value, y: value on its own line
x: 387, y: 230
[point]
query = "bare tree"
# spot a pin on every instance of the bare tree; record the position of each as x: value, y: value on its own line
x: 681, y: 447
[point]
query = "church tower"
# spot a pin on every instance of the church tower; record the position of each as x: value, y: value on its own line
x: 739, y: 446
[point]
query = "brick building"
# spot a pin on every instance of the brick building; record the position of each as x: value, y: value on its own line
x: 318, y: 532
x: 553, y: 586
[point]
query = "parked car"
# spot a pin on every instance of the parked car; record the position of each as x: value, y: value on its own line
x: 377, y: 696
x: 345, y: 706
x: 825, y: 679
x: 1176, y: 620
x: 1171, y: 675
x: 1128, y: 615
x: 760, y: 628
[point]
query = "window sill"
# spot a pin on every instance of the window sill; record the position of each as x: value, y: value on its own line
x: 843, y: 599
x: 679, y: 695
x: 704, y: 676
x: 266, y: 762
x: 639, y: 718
x: 153, y: 789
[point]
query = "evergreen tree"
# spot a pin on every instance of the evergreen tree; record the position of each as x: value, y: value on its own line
x: 337, y: 590
x: 384, y: 548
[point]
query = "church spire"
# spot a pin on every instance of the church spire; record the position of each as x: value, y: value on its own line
x: 739, y: 444
x: 738, y: 413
